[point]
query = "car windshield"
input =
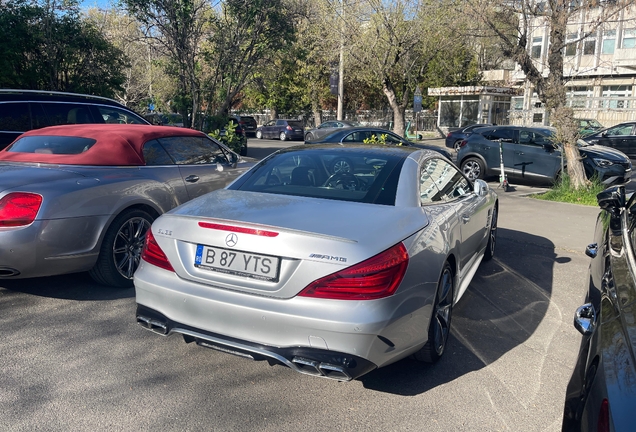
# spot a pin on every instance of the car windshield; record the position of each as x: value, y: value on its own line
x: 591, y: 124
x: 355, y: 174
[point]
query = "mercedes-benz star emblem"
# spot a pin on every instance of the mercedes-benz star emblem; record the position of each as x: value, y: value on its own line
x: 231, y: 240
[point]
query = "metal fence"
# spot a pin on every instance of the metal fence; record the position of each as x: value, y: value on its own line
x: 376, y: 118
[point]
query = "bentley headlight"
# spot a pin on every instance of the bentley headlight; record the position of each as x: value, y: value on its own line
x: 602, y: 162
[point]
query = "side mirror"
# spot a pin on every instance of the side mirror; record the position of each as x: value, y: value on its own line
x: 585, y: 319
x: 549, y: 147
x: 480, y: 187
x: 612, y: 200
x: 604, y: 134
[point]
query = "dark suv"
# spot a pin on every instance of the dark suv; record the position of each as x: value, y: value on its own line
x: 24, y: 110
x: 529, y: 153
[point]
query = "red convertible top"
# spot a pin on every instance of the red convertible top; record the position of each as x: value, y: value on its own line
x: 116, y: 144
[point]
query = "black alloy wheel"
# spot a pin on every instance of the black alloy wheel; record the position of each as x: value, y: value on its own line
x: 492, y: 235
x: 121, y: 247
x: 439, y: 328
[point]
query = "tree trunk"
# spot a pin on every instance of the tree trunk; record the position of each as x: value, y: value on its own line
x: 398, y: 110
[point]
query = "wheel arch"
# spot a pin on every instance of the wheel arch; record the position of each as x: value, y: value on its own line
x: 474, y: 155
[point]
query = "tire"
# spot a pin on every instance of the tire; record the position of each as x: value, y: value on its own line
x: 341, y: 164
x: 309, y: 137
x: 120, y: 251
x: 473, y: 168
x: 439, y: 327
x: 259, y: 134
x: 283, y: 136
x: 492, y: 235
x: 456, y: 145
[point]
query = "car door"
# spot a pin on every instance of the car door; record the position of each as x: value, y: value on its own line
x: 618, y: 137
x: 324, y: 129
x: 161, y: 167
x: 203, y: 164
x: 267, y: 129
x: 535, y: 156
x: 441, y: 182
x: 489, y: 148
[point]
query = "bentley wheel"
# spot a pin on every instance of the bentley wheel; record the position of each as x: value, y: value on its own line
x: 121, y: 248
x: 473, y: 168
x: 439, y: 328
x: 492, y: 236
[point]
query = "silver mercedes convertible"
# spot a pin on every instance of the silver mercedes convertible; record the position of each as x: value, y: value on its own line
x: 331, y: 272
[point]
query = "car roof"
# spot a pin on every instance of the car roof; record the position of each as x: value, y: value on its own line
x: 9, y: 95
x: 116, y: 144
x: 354, y: 148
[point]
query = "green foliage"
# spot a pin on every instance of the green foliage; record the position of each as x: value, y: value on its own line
x: 49, y: 46
x: 563, y: 191
x: 229, y: 137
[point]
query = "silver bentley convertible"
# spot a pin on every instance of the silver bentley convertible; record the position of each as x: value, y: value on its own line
x: 81, y: 197
x: 332, y: 274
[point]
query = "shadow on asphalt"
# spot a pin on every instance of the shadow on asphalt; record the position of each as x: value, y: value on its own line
x: 76, y: 286
x: 506, y: 301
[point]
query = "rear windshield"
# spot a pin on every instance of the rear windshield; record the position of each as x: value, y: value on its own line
x: 295, y: 124
x: 52, y: 145
x: 359, y: 175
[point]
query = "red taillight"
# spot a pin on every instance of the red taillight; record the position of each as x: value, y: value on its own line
x: 153, y: 254
x: 238, y: 229
x: 289, y: 128
x: 603, y: 417
x: 19, y: 208
x: 463, y: 143
x: 449, y: 135
x: 375, y: 278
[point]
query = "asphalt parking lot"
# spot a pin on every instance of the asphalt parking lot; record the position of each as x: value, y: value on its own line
x: 73, y: 358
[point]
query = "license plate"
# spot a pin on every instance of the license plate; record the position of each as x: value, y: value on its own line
x: 239, y: 263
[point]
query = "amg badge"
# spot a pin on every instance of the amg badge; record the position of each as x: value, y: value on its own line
x: 328, y: 257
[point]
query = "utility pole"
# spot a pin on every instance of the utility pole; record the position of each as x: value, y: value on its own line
x: 341, y: 64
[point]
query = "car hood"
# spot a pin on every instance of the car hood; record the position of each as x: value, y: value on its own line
x: 604, y: 152
x: 13, y: 176
x: 309, y: 215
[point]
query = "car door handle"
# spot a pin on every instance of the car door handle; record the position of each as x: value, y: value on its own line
x: 519, y: 153
x: 465, y: 218
x: 487, y: 148
x: 192, y: 178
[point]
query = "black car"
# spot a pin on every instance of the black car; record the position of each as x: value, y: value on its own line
x: 530, y: 154
x: 282, y: 129
x: 454, y: 138
x: 24, y: 110
x: 601, y: 394
x: 328, y: 127
x: 356, y: 135
x: 247, y: 123
x: 620, y: 137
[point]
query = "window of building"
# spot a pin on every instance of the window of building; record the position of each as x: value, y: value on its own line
x: 616, y: 96
x: 537, y: 43
x: 537, y: 118
x: 570, y: 50
x: 517, y: 103
x: 629, y: 38
x: 609, y: 42
x: 579, y: 96
x: 589, y: 45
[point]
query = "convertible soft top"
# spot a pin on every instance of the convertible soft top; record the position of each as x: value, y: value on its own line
x: 114, y: 144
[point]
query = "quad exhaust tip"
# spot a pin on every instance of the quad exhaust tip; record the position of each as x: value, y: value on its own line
x: 153, y: 325
x: 316, y: 368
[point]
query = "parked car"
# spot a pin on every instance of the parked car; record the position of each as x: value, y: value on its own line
x: 454, y: 138
x: 328, y: 127
x: 530, y: 154
x: 620, y: 137
x: 332, y: 275
x: 247, y: 123
x: 357, y: 135
x: 81, y: 197
x: 601, y: 394
x: 281, y: 129
x: 24, y: 110
x: 589, y: 126
x: 169, y: 119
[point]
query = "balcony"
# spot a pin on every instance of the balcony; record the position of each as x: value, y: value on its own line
x: 625, y: 57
